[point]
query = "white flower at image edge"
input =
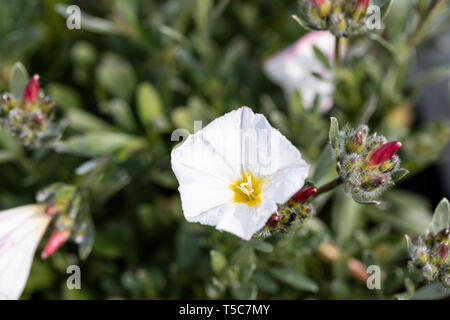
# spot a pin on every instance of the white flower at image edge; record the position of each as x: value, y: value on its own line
x: 234, y: 172
x: 21, y: 230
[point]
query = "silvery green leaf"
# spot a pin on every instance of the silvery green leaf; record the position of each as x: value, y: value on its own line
x: 218, y: 261
x: 410, y: 290
x: 100, y: 143
x: 397, y: 175
x: 260, y: 245
x: 334, y: 132
x: 18, y: 80
x: 441, y: 216
x: 295, y: 279
x: 150, y: 108
x: 324, y: 165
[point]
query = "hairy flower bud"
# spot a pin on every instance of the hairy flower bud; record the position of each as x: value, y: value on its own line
x: 370, y: 183
x: 365, y: 163
x: 38, y: 119
x: 382, y: 153
x: 31, y: 92
x: 322, y: 7
x: 30, y: 119
x: 273, y: 220
x: 443, y: 250
x: 360, y: 8
x: 303, y: 194
x: 430, y: 254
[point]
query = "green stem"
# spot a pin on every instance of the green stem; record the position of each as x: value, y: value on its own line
x: 337, y: 52
x: 329, y: 186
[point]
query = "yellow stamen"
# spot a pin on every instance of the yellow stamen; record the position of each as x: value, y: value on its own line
x: 247, y: 189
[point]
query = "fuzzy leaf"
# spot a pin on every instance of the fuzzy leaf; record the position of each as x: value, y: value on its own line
x: 397, y: 175
x: 18, y: 80
x: 334, y: 131
x: 441, y: 217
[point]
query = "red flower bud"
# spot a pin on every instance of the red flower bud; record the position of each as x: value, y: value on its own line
x: 303, y: 194
x: 443, y: 250
x: 56, y: 240
x: 31, y: 92
x: 273, y: 220
x: 382, y: 153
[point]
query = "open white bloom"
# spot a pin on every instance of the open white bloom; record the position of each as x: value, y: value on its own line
x: 21, y: 230
x: 293, y: 68
x: 234, y: 172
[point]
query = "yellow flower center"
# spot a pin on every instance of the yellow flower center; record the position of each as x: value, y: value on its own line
x: 247, y: 189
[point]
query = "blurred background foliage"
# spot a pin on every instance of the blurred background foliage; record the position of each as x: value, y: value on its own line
x: 139, y: 69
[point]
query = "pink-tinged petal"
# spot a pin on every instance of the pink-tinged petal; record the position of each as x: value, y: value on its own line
x: 303, y: 194
x: 294, y: 67
x: 383, y: 153
x: 56, y: 240
x: 31, y: 92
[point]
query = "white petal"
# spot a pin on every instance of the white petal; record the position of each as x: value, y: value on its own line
x: 244, y: 221
x: 203, y: 175
x: 293, y: 68
x: 20, y: 233
x: 213, y: 158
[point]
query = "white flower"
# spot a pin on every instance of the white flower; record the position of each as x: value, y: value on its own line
x: 292, y: 69
x: 21, y: 230
x: 234, y: 172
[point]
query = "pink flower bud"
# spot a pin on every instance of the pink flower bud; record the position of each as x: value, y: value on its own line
x: 303, y: 194
x: 50, y: 211
x: 56, y: 240
x: 38, y: 119
x: 322, y: 7
x: 382, y: 153
x: 273, y: 220
x: 362, y: 4
x: 360, y: 8
x: 31, y: 92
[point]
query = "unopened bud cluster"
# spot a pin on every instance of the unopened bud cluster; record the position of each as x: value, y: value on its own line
x: 341, y: 17
x: 292, y: 212
x: 28, y: 118
x: 365, y: 163
x: 430, y: 254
